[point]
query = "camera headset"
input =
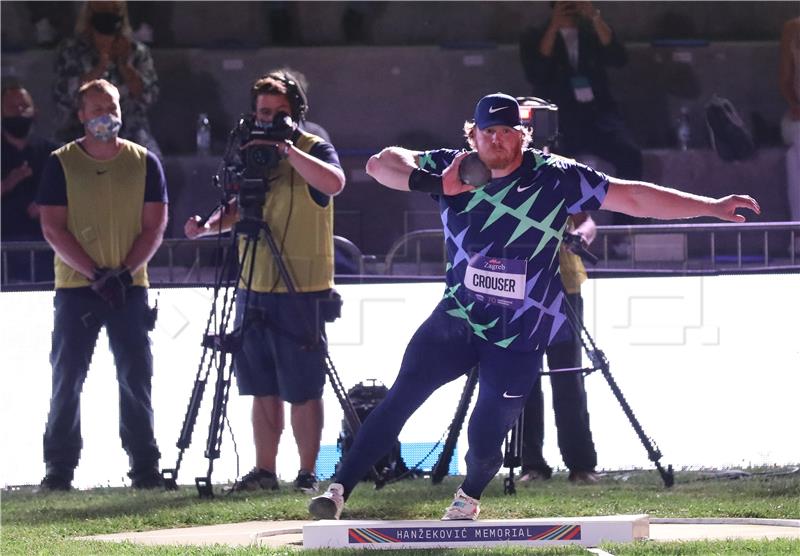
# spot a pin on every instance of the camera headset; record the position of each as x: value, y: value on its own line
x: 294, y: 93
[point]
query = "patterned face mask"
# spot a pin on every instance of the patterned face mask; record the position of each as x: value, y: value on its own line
x: 105, y: 127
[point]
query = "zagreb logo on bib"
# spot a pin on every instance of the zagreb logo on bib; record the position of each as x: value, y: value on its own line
x: 496, y: 281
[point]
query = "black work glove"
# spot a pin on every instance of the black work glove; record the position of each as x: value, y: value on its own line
x: 111, y: 284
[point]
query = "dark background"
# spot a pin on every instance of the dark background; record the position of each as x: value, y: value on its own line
x: 409, y: 73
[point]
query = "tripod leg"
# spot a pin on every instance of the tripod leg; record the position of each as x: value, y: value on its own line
x: 599, y: 360
x: 351, y: 418
x: 170, y: 476
x: 509, y: 487
x: 513, y: 454
x: 443, y: 463
x: 222, y: 346
x: 653, y: 453
x: 216, y: 426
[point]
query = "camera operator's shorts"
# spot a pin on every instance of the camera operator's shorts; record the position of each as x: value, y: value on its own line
x: 278, y: 356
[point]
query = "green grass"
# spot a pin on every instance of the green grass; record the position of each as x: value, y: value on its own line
x: 46, y: 524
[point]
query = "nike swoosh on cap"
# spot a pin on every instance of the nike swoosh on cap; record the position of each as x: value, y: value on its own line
x: 492, y: 109
x: 509, y: 396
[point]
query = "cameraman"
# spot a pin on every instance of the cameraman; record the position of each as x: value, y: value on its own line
x: 278, y: 362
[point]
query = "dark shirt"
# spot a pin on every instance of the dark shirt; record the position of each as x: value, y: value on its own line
x: 552, y: 77
x: 53, y: 187
x: 16, y: 224
x: 326, y: 153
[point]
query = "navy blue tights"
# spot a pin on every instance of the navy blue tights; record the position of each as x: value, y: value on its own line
x: 441, y: 350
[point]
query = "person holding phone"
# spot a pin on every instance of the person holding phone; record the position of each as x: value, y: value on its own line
x: 566, y: 63
x: 104, y: 48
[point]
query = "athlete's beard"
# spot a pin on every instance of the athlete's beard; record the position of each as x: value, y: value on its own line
x: 497, y: 158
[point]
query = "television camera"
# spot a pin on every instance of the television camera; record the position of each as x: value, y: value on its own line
x: 251, y: 153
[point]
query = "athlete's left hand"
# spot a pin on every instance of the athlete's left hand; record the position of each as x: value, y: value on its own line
x: 725, y: 208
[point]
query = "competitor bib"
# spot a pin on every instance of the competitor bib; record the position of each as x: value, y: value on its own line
x: 496, y: 281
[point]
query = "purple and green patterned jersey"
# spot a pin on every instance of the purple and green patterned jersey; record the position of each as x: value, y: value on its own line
x: 502, y: 246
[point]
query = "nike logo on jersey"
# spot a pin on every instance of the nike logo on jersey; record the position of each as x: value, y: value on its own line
x: 101, y: 172
x: 520, y: 189
x: 492, y: 109
x: 509, y: 396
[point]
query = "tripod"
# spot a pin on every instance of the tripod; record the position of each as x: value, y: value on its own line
x: 599, y: 362
x: 219, y: 347
x: 513, y: 445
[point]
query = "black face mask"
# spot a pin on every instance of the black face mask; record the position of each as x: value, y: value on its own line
x: 17, y: 126
x: 106, y: 23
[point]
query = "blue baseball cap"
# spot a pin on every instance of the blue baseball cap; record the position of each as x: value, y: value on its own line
x: 497, y: 109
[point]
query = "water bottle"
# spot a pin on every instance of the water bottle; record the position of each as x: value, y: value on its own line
x: 203, y: 134
x: 683, y: 131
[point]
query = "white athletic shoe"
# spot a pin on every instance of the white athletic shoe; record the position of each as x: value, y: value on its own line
x: 328, y: 505
x: 463, y: 507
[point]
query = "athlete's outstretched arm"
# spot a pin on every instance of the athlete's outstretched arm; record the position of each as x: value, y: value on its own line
x: 393, y: 167
x: 647, y: 199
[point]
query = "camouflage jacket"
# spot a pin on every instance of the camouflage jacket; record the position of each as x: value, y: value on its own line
x: 74, y: 59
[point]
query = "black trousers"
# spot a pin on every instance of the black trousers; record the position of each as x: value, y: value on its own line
x: 569, y: 405
x: 79, y: 316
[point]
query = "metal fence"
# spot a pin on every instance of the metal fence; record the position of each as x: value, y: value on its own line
x: 646, y: 249
x: 649, y: 249
x: 27, y: 265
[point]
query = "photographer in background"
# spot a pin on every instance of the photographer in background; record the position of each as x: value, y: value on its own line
x: 566, y: 63
x: 277, y: 362
x: 104, y: 48
x: 569, y: 395
x: 103, y: 206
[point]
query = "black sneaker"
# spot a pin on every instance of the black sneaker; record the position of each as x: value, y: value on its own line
x: 147, y: 480
x: 53, y: 483
x: 256, y: 479
x: 306, y: 482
